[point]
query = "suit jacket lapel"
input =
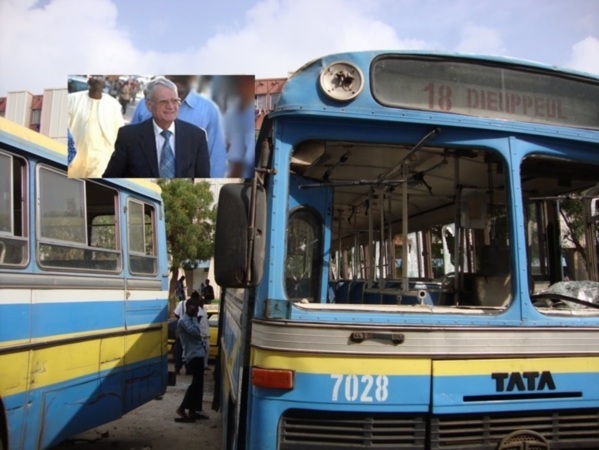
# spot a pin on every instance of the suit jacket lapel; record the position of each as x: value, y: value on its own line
x: 147, y: 143
x: 181, y: 151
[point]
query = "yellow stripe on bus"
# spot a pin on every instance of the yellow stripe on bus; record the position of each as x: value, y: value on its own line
x: 487, y: 366
x: 32, y: 369
x: 62, y: 337
x: 336, y: 364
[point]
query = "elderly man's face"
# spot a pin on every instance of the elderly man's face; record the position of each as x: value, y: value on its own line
x: 164, y: 106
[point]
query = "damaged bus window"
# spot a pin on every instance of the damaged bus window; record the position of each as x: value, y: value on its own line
x: 562, y: 204
x: 425, y: 227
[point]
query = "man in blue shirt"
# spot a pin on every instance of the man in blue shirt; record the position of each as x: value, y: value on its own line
x: 239, y: 122
x: 72, y: 151
x: 194, y: 351
x: 200, y: 112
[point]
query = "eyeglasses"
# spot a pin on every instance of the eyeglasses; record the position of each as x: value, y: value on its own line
x: 169, y: 101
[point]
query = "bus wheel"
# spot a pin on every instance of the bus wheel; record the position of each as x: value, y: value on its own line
x: 3, y: 428
x: 230, y: 424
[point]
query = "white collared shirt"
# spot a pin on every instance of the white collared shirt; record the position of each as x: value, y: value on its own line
x: 160, y: 139
x: 204, y: 326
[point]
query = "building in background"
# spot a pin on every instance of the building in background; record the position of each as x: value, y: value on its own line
x: 267, y: 93
x: 46, y: 113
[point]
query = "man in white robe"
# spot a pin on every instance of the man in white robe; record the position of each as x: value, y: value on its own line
x: 94, y: 120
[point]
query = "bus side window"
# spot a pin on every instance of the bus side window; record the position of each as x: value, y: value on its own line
x: 65, y: 206
x: 13, y: 207
x: 141, y: 225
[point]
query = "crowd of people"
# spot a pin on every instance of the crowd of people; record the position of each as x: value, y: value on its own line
x: 218, y: 144
x: 124, y: 90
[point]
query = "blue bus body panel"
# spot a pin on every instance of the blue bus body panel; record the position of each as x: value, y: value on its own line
x: 70, y: 407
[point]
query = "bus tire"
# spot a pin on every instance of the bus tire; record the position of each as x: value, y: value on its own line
x: 230, y: 431
x: 3, y: 428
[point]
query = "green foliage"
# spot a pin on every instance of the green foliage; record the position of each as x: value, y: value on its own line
x: 190, y: 216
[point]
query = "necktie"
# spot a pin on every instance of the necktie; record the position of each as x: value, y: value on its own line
x: 167, y: 159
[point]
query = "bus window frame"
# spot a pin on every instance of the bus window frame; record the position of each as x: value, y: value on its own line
x: 317, y: 262
x: 40, y: 240
x: 25, y: 204
x: 153, y: 223
x: 547, y: 214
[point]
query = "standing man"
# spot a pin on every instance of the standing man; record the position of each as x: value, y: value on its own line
x: 204, y: 329
x: 94, y: 119
x: 161, y: 146
x: 194, y: 352
x: 180, y: 288
x: 208, y: 292
x: 201, y: 112
x: 179, y: 312
x: 239, y: 128
x: 124, y: 96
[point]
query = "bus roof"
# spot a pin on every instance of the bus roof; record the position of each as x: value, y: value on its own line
x: 369, y: 55
x: 22, y: 137
x: 30, y: 141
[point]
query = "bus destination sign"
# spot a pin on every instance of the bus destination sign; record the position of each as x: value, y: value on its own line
x: 493, y: 91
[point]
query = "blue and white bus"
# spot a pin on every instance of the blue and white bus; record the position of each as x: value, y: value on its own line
x: 415, y: 264
x: 83, y: 294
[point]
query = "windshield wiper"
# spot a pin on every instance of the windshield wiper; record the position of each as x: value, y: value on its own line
x: 565, y: 298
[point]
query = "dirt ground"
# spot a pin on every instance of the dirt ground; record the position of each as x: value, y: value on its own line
x: 152, y: 426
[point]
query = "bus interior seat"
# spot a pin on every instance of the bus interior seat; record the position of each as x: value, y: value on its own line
x: 491, y: 286
x: 342, y: 292
x: 372, y: 297
x: 332, y: 290
x: 356, y: 292
x: 368, y: 293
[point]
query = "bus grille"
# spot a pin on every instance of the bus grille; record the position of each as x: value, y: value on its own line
x: 309, y: 430
x: 561, y: 430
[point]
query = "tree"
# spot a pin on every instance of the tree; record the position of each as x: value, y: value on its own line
x: 190, y: 214
x: 572, y: 212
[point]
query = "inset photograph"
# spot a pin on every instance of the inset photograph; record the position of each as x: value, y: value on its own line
x: 161, y: 126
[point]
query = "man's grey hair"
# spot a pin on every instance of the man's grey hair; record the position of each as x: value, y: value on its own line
x: 158, y: 81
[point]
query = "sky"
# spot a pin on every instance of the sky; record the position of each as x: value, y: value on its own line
x: 43, y: 41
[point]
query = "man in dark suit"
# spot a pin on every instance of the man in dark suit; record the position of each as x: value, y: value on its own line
x: 163, y: 146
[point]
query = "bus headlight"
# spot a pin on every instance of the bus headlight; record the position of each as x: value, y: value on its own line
x: 341, y: 81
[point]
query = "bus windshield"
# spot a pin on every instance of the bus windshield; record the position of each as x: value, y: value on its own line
x: 417, y: 225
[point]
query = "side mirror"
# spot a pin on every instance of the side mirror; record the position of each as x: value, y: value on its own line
x: 239, y: 244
